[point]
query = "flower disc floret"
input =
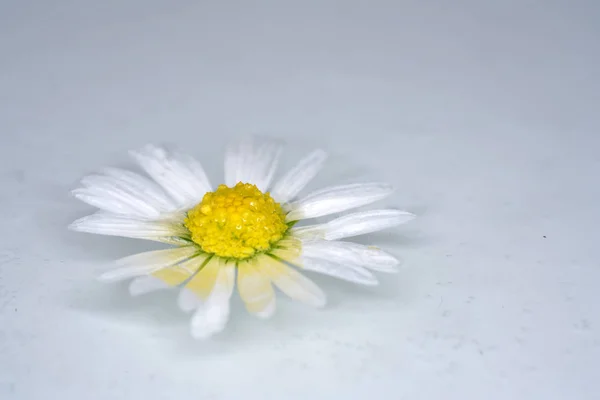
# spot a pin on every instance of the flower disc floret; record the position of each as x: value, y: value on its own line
x: 236, y: 222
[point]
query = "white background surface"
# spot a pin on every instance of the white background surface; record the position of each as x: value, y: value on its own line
x: 480, y: 112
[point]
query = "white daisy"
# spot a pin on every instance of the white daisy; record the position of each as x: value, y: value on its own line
x: 240, y: 231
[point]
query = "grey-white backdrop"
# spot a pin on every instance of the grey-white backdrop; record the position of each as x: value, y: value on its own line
x: 482, y: 113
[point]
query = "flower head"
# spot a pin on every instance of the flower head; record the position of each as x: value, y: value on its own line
x: 236, y: 222
x: 241, y: 232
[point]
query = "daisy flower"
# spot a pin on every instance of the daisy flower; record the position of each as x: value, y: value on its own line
x: 243, y: 232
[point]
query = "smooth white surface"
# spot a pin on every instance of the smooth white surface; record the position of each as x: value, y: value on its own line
x: 482, y: 113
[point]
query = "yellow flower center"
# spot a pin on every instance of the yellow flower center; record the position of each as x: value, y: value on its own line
x: 236, y: 222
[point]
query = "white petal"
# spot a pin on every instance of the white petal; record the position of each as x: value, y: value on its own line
x: 252, y: 160
x: 269, y: 310
x: 187, y: 300
x: 118, y: 225
x: 148, y: 262
x: 115, y: 203
x: 146, y: 188
x: 255, y: 290
x: 115, y: 196
x: 212, y: 315
x: 169, y: 277
x: 288, y: 249
x: 354, y: 224
x: 179, y: 174
x: 295, y: 180
x: 345, y: 253
x: 198, y: 288
x: 337, y: 199
x: 292, y: 283
x: 135, y: 184
x: 349, y: 272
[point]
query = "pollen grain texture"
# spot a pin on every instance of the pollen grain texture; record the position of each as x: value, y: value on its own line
x: 236, y: 222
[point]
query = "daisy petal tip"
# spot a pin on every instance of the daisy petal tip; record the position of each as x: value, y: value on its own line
x: 187, y: 301
x: 408, y: 215
x: 268, y: 312
x: 369, y: 279
x: 76, y: 225
x: 371, y: 282
x: 391, y: 269
x: 391, y: 265
x: 400, y: 217
x: 145, y: 284
x: 81, y: 224
x: 321, y: 303
x: 147, y: 150
x: 207, y: 323
x: 134, y: 291
x: 108, y: 276
x: 199, y: 332
x: 397, y: 264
